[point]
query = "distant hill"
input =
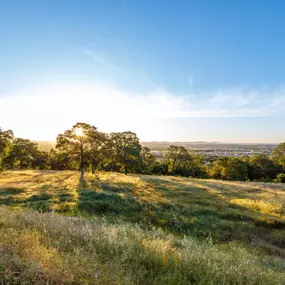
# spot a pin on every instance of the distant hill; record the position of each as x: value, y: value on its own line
x: 45, y: 145
x: 206, y: 145
x: 155, y: 145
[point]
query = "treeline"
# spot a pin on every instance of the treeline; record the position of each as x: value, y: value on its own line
x: 84, y: 147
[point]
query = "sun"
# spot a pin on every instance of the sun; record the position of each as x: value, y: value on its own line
x: 79, y: 132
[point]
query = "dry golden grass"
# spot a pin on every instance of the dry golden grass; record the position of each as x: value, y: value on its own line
x: 54, y: 249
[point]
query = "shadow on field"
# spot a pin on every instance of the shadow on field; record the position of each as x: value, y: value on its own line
x: 92, y: 201
x: 182, y: 208
x: 10, y: 191
x: 230, y: 190
x: 200, y: 209
x: 42, y: 199
x: 40, y: 202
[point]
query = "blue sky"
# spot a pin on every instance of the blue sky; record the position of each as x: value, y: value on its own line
x: 167, y: 70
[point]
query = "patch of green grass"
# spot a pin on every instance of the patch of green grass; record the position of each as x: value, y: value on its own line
x: 93, y: 203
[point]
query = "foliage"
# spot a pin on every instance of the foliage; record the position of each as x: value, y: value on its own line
x: 149, y: 162
x: 280, y: 177
x: 61, y: 160
x: 24, y: 154
x: 278, y: 155
x: 77, y: 143
x: 261, y: 167
x: 228, y: 168
x: 122, y: 152
x: 177, y: 157
x: 6, y: 138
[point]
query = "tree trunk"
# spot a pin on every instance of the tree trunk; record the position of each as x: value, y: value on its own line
x: 21, y: 164
x: 81, y: 162
x: 125, y: 160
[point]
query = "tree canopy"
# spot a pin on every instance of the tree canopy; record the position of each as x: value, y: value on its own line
x: 77, y: 142
x: 278, y: 155
x: 6, y: 139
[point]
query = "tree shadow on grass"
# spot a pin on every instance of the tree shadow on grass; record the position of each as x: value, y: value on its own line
x: 41, y: 200
x: 172, y: 217
x: 92, y: 202
x: 8, y: 195
x: 10, y: 191
x: 229, y: 189
x: 186, y: 209
x: 195, y: 210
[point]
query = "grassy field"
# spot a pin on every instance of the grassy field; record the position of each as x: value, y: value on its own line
x: 139, y: 229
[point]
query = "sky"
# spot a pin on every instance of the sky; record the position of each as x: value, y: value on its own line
x: 168, y: 70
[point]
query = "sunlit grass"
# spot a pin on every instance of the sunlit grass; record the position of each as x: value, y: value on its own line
x: 190, y: 230
x: 53, y: 249
x: 273, y: 207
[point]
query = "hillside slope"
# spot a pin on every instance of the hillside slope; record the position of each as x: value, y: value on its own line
x: 139, y: 229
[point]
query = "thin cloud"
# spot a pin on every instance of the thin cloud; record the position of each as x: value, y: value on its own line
x: 95, y: 56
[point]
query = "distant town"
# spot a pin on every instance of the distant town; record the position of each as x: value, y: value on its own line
x: 212, y: 148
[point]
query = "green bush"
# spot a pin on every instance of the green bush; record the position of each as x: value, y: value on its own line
x: 41, y: 206
x: 280, y: 178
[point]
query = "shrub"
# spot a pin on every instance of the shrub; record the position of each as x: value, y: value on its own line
x: 280, y: 178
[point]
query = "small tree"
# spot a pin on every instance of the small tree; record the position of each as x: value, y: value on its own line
x: 278, y: 155
x: 261, y: 167
x: 6, y: 139
x: 229, y: 168
x: 148, y: 160
x: 123, y: 151
x: 175, y: 157
x: 23, y: 154
x: 280, y: 178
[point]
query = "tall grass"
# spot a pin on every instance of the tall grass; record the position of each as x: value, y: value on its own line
x: 47, y: 248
